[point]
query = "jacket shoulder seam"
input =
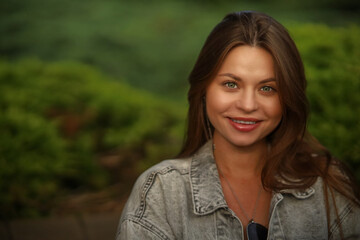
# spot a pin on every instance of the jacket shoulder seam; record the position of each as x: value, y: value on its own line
x: 148, y: 184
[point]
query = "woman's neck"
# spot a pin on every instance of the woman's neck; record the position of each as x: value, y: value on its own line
x: 243, y: 162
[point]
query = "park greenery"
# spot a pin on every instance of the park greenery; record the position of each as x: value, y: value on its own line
x: 80, y: 83
x: 59, y: 119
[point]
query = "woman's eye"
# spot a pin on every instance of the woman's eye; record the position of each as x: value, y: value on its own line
x: 267, y: 89
x: 231, y: 85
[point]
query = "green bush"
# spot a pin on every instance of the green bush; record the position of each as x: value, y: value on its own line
x: 332, y: 63
x: 58, y: 120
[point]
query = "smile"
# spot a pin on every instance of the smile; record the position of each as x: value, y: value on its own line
x: 243, y: 122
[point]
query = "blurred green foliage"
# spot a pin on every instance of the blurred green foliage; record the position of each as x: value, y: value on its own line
x: 332, y: 63
x: 58, y: 119
x: 152, y: 47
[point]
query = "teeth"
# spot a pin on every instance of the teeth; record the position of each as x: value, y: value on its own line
x: 243, y: 122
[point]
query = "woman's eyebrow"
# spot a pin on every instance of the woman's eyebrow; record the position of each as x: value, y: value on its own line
x: 231, y: 76
x: 239, y: 79
x: 268, y: 80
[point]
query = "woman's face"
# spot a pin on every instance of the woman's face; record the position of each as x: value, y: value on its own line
x: 242, y: 101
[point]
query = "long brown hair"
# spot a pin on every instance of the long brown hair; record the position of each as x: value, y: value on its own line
x: 296, y: 158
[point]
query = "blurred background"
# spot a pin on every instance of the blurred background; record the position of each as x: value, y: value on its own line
x: 94, y: 92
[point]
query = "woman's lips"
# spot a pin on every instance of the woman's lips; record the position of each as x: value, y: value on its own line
x: 244, y: 124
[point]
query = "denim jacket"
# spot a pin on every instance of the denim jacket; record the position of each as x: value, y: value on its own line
x: 183, y: 199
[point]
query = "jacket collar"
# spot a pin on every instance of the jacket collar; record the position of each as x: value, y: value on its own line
x: 300, y: 193
x: 206, y: 187
x: 205, y: 182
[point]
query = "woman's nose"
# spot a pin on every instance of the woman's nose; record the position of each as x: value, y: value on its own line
x: 247, y: 101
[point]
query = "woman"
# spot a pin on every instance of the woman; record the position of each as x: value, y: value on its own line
x: 248, y: 168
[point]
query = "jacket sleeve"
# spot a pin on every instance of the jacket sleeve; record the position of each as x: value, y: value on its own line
x: 349, y: 226
x: 133, y: 224
x: 129, y: 230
